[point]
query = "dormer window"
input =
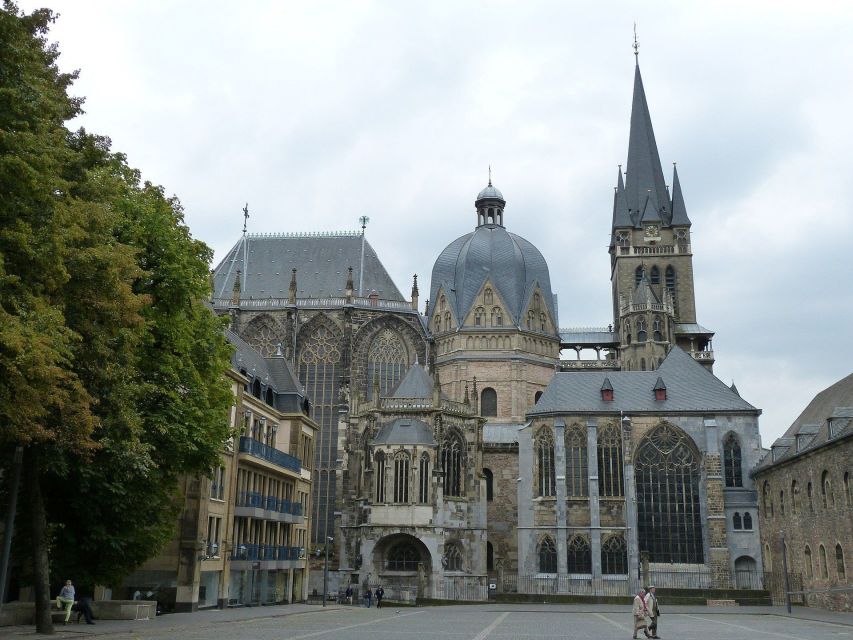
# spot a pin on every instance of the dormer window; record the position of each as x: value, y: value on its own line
x: 606, y: 391
x: 660, y: 390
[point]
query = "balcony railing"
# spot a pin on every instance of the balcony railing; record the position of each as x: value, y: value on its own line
x: 425, y: 404
x: 268, y: 503
x: 265, y: 552
x: 589, y: 364
x: 655, y: 250
x: 703, y: 356
x: 316, y: 303
x: 270, y: 454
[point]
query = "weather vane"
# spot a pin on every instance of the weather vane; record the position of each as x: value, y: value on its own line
x: 245, y: 217
x: 363, y: 220
x: 636, y: 42
x: 490, y: 175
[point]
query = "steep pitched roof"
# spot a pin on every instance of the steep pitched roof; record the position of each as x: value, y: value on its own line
x: 265, y: 262
x: 417, y: 383
x: 621, y: 216
x: 405, y: 431
x: 643, y: 292
x: 679, y: 210
x: 690, y: 388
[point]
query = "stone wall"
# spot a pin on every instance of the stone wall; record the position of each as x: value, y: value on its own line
x: 503, y: 508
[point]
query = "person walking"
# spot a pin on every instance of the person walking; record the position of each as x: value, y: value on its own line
x: 640, y: 613
x: 348, y: 595
x: 380, y: 593
x: 66, y: 599
x: 368, y: 595
x: 84, y: 609
x: 651, y: 601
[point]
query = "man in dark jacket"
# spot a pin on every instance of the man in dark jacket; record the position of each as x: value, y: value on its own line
x: 380, y: 593
x: 83, y: 607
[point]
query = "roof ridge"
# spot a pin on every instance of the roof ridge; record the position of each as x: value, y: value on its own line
x: 305, y: 234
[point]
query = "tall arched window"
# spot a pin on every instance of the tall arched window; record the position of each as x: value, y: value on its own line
x: 668, y: 513
x: 826, y: 491
x: 795, y: 497
x: 401, y: 477
x: 610, y: 462
x: 810, y: 497
x: 654, y: 275
x: 579, y: 555
x: 387, y: 360
x: 489, y: 403
x: 848, y: 499
x: 545, y: 462
x: 487, y: 296
x: 824, y: 569
x: 547, y: 556
x: 447, y: 319
x: 452, y: 558
x: 479, y: 317
x: 403, y: 556
x: 840, y: 567
x: 490, y: 556
x: 807, y: 561
x: 452, y: 463
x: 577, y: 480
x: 671, y: 286
x: 732, y: 466
x: 782, y: 503
x: 490, y: 484
x: 380, y: 477
x: 614, y: 556
x: 747, y: 522
x: 497, y: 317
x: 642, y: 332
x: 638, y: 275
x: 657, y: 329
x: 765, y: 499
x: 737, y: 522
x: 423, y: 479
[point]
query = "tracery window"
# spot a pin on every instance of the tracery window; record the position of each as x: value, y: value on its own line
x: 387, y: 360
x: 657, y: 329
x: 642, y: 333
x: 627, y: 333
x: 669, y: 518
x: 380, y: 477
x: 547, y: 556
x: 655, y: 275
x: 479, y: 316
x: 545, y: 462
x: 319, y: 370
x: 614, y: 556
x: 262, y: 335
x: 403, y: 556
x: 497, y: 317
x: 452, y: 462
x: 423, y: 479
x: 610, y: 462
x: 577, y: 481
x: 579, y: 555
x: 452, y: 558
x: 401, y: 477
x: 489, y: 402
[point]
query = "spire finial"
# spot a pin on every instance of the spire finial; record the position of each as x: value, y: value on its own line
x: 636, y: 44
x: 490, y: 175
x: 245, y: 217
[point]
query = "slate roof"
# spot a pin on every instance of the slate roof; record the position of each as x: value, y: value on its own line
x: 690, y: 388
x: 274, y: 371
x: 511, y: 263
x: 417, y: 383
x: 405, y: 431
x: 691, y: 328
x: 590, y: 336
x: 828, y: 417
x: 490, y: 192
x: 501, y: 433
x: 266, y: 260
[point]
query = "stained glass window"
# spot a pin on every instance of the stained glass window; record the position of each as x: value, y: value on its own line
x: 579, y: 555
x: 547, y: 556
x: 545, y: 462
x: 452, y: 462
x: 614, y: 556
x: 387, y: 359
x: 732, y: 468
x: 610, y: 461
x: 576, y: 463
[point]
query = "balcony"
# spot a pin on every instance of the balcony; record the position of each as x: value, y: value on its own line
x: 703, y: 356
x: 264, y: 556
x: 270, y: 454
x: 655, y: 250
x: 252, y: 504
x: 590, y: 365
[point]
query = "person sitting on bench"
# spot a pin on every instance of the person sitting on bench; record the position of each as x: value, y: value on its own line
x: 66, y: 599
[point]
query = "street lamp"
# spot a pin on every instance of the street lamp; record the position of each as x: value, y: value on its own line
x: 326, y: 570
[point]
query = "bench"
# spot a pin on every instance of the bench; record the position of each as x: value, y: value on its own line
x: 722, y: 603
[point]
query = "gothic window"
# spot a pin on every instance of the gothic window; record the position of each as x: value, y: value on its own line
x: 795, y: 498
x: 380, y: 477
x: 627, y: 333
x: 747, y: 522
x: 489, y: 402
x: 638, y: 275
x: 387, y: 360
x: 807, y: 561
x: 614, y: 556
x: 497, y: 317
x: 732, y: 468
x: 826, y: 491
x: 547, y: 556
x: 536, y: 301
x: 262, y: 335
x: 576, y: 463
x: 840, y: 568
x: 401, y: 477
x: 403, y: 556
x: 447, y: 321
x: 319, y: 370
x: 671, y: 286
x: 657, y: 329
x: 782, y: 503
x: 490, y: 556
x: 738, y: 522
x: 490, y: 484
x: 610, y: 462
x: 442, y: 303
x: 579, y: 555
x: 487, y: 296
x: 848, y: 500
x: 530, y: 319
x: 423, y: 479
x: 642, y: 364
x: 809, y: 496
x: 655, y: 275
x: 452, y: 558
x: 642, y: 333
x: 452, y: 463
x: 669, y: 519
x: 479, y: 316
x: 536, y: 396
x: 545, y: 462
x: 824, y: 569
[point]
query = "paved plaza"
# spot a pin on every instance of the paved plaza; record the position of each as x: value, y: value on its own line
x: 473, y: 622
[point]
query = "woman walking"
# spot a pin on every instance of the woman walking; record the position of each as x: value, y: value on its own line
x: 640, y: 612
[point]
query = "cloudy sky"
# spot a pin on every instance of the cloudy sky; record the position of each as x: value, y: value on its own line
x: 318, y: 112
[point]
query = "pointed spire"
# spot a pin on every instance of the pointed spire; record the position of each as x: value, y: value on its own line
x: 292, y: 297
x: 679, y: 211
x: 235, y: 290
x: 643, y: 292
x: 645, y: 175
x: 415, y: 292
x: 621, y: 217
x: 734, y: 388
x: 467, y: 399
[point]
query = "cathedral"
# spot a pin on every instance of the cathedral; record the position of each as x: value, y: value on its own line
x: 469, y: 443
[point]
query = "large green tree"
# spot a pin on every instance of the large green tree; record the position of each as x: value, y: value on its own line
x: 111, y: 367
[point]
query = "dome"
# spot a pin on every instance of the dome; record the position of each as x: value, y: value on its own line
x: 490, y: 192
x: 512, y: 264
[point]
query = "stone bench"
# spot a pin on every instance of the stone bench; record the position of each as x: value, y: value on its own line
x: 722, y: 603
x: 20, y: 613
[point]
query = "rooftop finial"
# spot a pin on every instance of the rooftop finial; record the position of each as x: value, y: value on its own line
x: 363, y: 220
x: 245, y: 217
x: 490, y: 175
x: 636, y: 45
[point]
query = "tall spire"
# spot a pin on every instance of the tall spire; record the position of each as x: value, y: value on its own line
x: 679, y: 211
x: 644, y: 183
x: 621, y: 217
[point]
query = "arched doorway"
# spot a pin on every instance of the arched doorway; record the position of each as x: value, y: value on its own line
x: 746, y: 576
x: 401, y: 562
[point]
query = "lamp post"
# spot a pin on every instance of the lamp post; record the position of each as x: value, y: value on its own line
x: 326, y: 570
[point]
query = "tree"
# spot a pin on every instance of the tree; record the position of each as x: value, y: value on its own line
x: 111, y: 368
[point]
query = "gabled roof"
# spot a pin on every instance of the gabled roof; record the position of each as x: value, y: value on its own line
x: 275, y: 372
x: 405, y: 431
x: 690, y: 388
x: 643, y: 292
x: 416, y: 383
x: 321, y: 261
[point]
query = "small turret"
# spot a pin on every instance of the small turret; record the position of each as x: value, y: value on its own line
x: 235, y: 291
x: 348, y: 289
x: 415, y: 292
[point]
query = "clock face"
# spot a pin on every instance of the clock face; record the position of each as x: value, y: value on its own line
x: 651, y: 230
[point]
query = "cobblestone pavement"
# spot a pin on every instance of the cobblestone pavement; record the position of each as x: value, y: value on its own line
x: 495, y: 622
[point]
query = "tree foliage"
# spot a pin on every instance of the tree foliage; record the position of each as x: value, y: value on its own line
x: 111, y: 366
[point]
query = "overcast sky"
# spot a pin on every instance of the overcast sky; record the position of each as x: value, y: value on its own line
x: 316, y: 113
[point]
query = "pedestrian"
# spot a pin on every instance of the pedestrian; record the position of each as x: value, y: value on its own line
x: 653, y: 609
x: 84, y: 608
x: 380, y: 593
x: 368, y: 595
x: 640, y: 613
x: 348, y: 595
x: 66, y: 599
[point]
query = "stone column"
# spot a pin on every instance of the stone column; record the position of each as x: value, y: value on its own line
x: 526, y: 533
x: 632, y: 536
x: 193, y: 527
x: 594, y: 504
x: 289, y: 586
x: 560, y: 477
x: 718, y: 549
